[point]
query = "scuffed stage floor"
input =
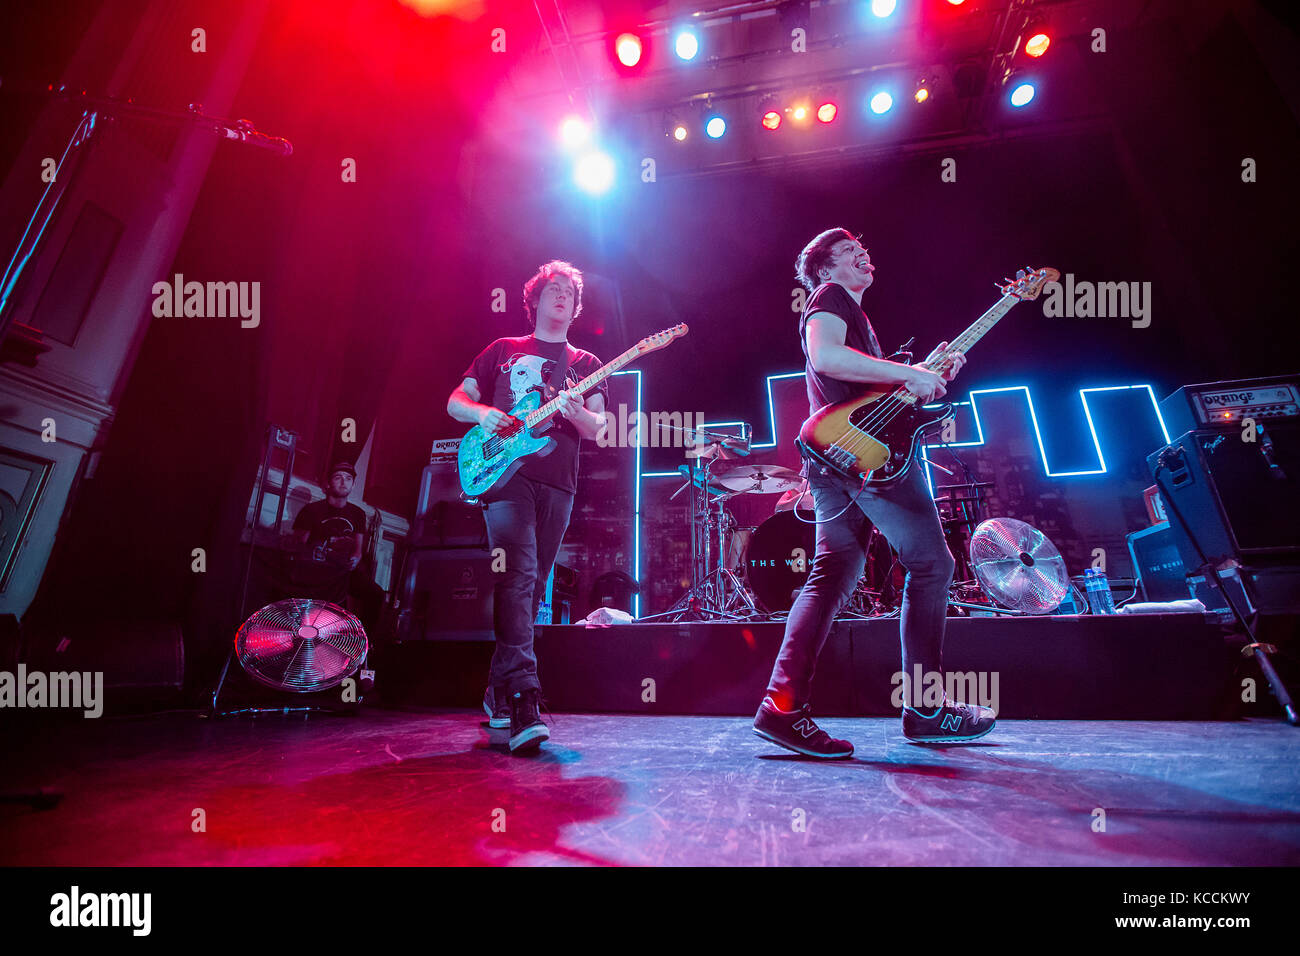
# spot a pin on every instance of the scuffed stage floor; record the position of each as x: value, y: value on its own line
x: 392, y: 787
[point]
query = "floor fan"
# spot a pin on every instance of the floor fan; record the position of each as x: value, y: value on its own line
x: 300, y: 646
x: 1018, y: 566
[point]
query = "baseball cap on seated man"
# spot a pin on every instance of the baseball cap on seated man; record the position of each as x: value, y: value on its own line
x: 344, y: 466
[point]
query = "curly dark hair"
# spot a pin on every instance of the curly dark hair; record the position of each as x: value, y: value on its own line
x: 534, y: 286
x: 817, y: 255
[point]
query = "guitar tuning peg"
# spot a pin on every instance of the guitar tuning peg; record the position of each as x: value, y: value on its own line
x: 1020, y: 274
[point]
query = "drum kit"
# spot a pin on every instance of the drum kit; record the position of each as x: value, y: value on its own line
x: 754, y: 573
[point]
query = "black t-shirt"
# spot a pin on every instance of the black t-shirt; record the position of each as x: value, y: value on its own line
x: 509, y: 369
x: 834, y: 298
x: 322, y: 521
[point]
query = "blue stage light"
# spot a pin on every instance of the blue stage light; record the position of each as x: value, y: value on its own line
x: 687, y: 44
x: 883, y: 8
x: 1022, y: 94
x: 715, y: 127
x: 881, y: 102
x: 594, y: 173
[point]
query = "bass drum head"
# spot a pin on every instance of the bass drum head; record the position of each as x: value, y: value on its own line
x: 778, y: 559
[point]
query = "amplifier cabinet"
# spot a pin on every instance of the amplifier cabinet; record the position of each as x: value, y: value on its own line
x: 1237, y: 498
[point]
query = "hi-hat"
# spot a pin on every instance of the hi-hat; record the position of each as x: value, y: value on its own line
x: 758, y: 479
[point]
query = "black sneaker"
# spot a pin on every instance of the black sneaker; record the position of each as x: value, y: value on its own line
x: 951, y: 723
x: 796, y: 731
x: 526, y: 728
x: 498, y: 711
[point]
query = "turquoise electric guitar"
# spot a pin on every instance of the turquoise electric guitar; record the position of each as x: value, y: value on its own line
x: 486, y: 460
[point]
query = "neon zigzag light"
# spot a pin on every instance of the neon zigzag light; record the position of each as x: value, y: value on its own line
x: 979, y: 428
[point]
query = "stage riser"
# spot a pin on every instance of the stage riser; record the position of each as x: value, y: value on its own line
x: 1153, y: 667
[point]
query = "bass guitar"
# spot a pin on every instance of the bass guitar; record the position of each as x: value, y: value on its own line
x: 874, y: 438
x: 486, y: 459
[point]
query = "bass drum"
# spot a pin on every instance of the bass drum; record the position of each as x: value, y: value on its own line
x: 778, y: 560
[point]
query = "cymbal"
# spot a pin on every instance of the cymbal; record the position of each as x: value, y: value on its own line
x: 758, y: 479
x: 723, y: 450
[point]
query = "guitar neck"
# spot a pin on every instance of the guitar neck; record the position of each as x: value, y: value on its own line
x: 973, y: 333
x: 591, y: 381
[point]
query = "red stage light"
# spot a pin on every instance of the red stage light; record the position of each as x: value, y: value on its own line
x: 1037, y: 44
x: 771, y: 119
x: 826, y: 112
x: 628, y: 49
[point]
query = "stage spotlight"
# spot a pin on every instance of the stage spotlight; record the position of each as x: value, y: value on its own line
x: 826, y: 112
x: 627, y: 47
x: 715, y: 127
x: 680, y: 132
x: 956, y: 3
x: 881, y: 103
x: 1037, y: 44
x: 594, y: 173
x: 574, y: 131
x: 799, y: 113
x: 687, y: 44
x: 883, y: 8
x: 771, y: 120
x: 1022, y: 94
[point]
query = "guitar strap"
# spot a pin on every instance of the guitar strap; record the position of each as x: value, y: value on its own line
x: 557, y: 375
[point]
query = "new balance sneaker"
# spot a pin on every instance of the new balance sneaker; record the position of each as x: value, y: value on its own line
x: 526, y: 728
x: 795, y: 730
x: 951, y: 723
x: 497, y: 710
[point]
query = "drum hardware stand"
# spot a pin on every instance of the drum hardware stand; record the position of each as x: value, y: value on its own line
x: 970, y: 504
x: 716, y: 592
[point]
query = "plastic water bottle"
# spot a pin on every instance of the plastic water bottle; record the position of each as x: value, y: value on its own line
x: 1100, y: 600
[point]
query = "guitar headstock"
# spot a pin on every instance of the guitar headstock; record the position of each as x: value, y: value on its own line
x: 1028, y: 283
x: 657, y: 341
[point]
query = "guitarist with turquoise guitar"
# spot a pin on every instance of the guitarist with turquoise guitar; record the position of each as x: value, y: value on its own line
x: 529, y: 498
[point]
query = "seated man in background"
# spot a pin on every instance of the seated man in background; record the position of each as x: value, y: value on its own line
x: 328, y: 537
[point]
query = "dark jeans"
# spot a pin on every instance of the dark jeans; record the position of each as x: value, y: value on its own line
x: 527, y: 519
x: 907, y: 517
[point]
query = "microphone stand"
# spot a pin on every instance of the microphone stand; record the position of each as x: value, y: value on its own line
x: 109, y: 108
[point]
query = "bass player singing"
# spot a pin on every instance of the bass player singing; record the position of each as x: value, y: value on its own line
x: 843, y: 359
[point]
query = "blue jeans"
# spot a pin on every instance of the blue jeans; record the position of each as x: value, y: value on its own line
x: 526, y: 519
x: 906, y: 515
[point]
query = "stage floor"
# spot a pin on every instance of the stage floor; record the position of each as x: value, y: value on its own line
x: 392, y: 787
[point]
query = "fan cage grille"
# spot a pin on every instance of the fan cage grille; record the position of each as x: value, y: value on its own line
x: 301, y: 645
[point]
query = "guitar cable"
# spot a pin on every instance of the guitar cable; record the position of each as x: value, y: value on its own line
x: 816, y: 521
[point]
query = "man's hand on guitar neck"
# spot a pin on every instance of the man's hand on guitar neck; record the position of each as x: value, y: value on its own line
x: 928, y: 384
x: 946, y: 365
